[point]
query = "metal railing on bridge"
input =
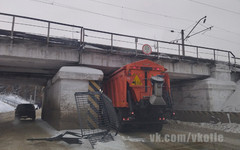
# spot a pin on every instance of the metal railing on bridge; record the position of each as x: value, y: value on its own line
x: 49, y: 31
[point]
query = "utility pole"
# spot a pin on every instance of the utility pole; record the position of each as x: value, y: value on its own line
x: 183, y: 47
x: 190, y: 35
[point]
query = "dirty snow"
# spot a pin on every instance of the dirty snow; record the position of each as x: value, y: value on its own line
x: 131, y: 139
x: 12, y: 99
x: 5, y: 107
x: 225, y: 127
x: 233, y: 103
x: 9, y: 102
x: 117, y: 144
x: 78, y: 69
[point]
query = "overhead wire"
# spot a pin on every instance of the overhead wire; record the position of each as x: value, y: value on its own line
x: 216, y: 7
x: 159, y: 14
x: 134, y: 21
x: 222, y: 39
x: 137, y: 10
x: 143, y: 11
x: 104, y: 15
x: 219, y: 28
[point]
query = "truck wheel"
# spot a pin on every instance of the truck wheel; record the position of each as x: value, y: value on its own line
x: 158, y: 127
x: 121, y: 127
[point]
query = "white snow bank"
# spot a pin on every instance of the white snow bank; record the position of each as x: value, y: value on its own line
x: 226, y: 127
x: 12, y: 100
x: 79, y: 69
x: 233, y: 103
x: 117, y: 144
x: 5, y: 107
x: 132, y: 139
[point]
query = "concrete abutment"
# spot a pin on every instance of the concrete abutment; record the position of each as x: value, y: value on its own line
x: 205, y: 95
x: 59, y: 107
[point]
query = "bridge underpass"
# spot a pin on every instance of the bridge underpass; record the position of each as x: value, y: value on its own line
x: 36, y: 58
x: 29, y: 62
x: 27, y: 57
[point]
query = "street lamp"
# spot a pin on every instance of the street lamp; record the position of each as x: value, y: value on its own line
x: 188, y: 35
x: 205, y: 17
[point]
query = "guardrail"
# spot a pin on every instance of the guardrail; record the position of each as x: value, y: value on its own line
x: 50, y: 29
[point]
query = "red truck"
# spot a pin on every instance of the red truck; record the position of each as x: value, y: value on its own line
x: 140, y: 93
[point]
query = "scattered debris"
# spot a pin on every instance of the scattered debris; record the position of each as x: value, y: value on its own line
x: 97, y: 117
x: 74, y: 139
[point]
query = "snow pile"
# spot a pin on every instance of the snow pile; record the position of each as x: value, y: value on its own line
x: 12, y: 100
x: 233, y: 103
x: 117, y: 144
x: 5, y: 107
x: 225, y: 127
x: 9, y: 102
x: 131, y: 139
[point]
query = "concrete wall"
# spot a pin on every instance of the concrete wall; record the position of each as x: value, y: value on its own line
x: 205, y: 95
x: 27, y: 56
x: 36, y: 50
x: 59, y: 107
x: 35, y: 57
x: 185, y: 70
x: 176, y: 69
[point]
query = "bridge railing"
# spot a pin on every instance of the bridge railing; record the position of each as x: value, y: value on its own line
x: 50, y: 29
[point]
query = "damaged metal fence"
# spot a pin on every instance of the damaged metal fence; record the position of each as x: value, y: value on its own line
x: 97, y: 116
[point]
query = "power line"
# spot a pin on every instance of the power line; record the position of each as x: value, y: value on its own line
x: 104, y: 15
x: 216, y: 7
x: 160, y: 14
x: 133, y: 21
x: 219, y: 28
x: 143, y: 11
x: 222, y: 39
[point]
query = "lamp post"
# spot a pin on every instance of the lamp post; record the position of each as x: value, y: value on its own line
x: 183, y: 47
x: 188, y: 35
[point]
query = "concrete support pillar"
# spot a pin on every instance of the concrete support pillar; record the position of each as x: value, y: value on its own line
x: 205, y: 95
x: 59, y: 107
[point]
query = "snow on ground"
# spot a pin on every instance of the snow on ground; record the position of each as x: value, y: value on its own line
x: 225, y: 127
x: 117, y: 144
x: 13, y: 98
x: 5, y: 107
x: 9, y: 102
x: 132, y: 139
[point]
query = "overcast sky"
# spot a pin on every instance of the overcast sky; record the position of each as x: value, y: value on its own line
x: 147, y: 18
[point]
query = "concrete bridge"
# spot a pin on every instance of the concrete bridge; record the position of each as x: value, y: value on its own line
x: 32, y: 58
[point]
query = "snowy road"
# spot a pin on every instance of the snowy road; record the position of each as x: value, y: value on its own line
x: 230, y: 141
x: 13, y: 136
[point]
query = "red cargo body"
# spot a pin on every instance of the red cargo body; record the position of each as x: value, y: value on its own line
x: 134, y: 75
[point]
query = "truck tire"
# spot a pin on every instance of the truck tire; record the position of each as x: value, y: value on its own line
x: 121, y: 126
x: 158, y: 127
x: 33, y: 118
